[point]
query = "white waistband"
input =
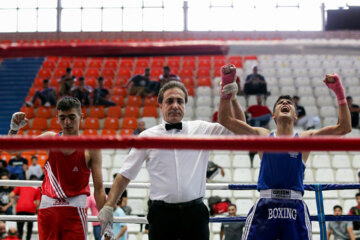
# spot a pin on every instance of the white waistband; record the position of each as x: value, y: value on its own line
x: 78, y: 201
x: 280, y: 194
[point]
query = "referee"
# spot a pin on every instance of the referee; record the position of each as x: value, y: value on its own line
x: 177, y: 177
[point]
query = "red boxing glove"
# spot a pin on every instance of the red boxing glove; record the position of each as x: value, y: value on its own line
x: 228, y: 76
x: 333, y: 82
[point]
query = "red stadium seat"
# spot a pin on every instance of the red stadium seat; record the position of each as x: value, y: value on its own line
x: 139, y: 71
x: 134, y: 101
x: 91, y: 81
x: 129, y: 123
x: 121, y: 81
x: 131, y: 111
x: 28, y: 111
x: 189, y: 64
x: 111, y: 64
x: 151, y: 101
x: 95, y: 63
x: 124, y: 72
x: 91, y: 123
x: 33, y: 132
x: 114, y: 112
x: 157, y: 64
x: 156, y: 72
x: 97, y: 112
x: 119, y: 91
x: 84, y: 112
x: 54, y: 125
x: 150, y: 111
x: 81, y: 63
x: 90, y: 132
x: 191, y: 91
x: 188, y: 81
x: 52, y: 58
x: 44, y: 73
x: 126, y: 63
x: 173, y: 64
x: 108, y: 132
x: 77, y: 72
x: 218, y: 63
x: 204, y: 63
x: 49, y: 64
x: 64, y: 64
x: 44, y: 112
x: 59, y: 72
x: 187, y: 72
x: 203, y: 72
x: 108, y: 83
x: 142, y: 63
x: 204, y: 82
x: 111, y: 123
x: 38, y: 82
x: 33, y: 90
x: 92, y: 72
x: 253, y: 57
x: 119, y: 100
x: 126, y: 132
x: 39, y: 123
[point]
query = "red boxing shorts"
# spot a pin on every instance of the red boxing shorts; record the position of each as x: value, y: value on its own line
x: 62, y: 220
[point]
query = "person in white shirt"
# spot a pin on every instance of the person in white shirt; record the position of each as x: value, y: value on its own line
x: 177, y: 177
x: 35, y: 169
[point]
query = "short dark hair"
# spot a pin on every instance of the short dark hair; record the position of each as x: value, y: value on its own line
x: 166, y: 68
x: 100, y: 79
x: 33, y: 177
x: 81, y: 78
x: 357, y: 195
x: 67, y: 103
x: 147, y: 69
x: 296, y: 97
x: 337, y: 206
x: 169, y: 85
x: 68, y: 70
x: 282, y: 97
x: 34, y: 156
x: 348, y: 97
x: 232, y: 205
x: 45, y: 80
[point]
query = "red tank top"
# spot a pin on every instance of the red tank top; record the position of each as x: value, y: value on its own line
x: 66, y: 175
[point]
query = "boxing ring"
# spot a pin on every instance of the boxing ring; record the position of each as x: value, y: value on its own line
x: 279, y: 144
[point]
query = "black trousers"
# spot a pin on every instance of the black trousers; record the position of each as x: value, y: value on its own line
x: 20, y: 226
x: 191, y: 223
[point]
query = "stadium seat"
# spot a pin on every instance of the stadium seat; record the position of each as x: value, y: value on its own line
x: 187, y: 72
x: 203, y: 91
x: 341, y: 161
x: 149, y: 121
x: 111, y: 123
x: 81, y: 64
x: 92, y: 72
x: 222, y: 160
x: 54, y: 125
x: 218, y: 63
x: 155, y: 73
x: 135, y: 101
x: 29, y: 111
x: 44, y: 73
x: 49, y: 64
x: 137, y: 193
x: 44, y: 112
x: 126, y: 63
x: 126, y: 132
x: 77, y: 72
x: 64, y: 64
x: 204, y: 112
x: 129, y: 123
x: 344, y: 175
x: 108, y: 132
x: 118, y: 100
x: 328, y: 111
x: 243, y: 206
x: 151, y: 101
x: 204, y: 63
x: 95, y: 64
x: 111, y: 63
x: 203, y: 72
x: 124, y: 72
x: 241, y: 161
x: 114, y: 112
x: 121, y: 81
x: 132, y: 111
x: 97, y: 112
x: 139, y: 71
x: 150, y: 111
x: 142, y: 63
x: 204, y: 82
x: 108, y: 73
x: 320, y: 161
x: 33, y: 132
x: 91, y: 123
x: 308, y: 176
x: 59, y: 72
x: 90, y: 132
x: 324, y: 175
x: 242, y: 175
x: 39, y: 123
x: 203, y: 101
x: 173, y: 64
x: 157, y: 64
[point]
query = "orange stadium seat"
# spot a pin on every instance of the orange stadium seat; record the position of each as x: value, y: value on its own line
x: 108, y: 132
x: 80, y: 64
x: 111, y: 123
x: 114, y: 112
x: 204, y: 63
x: 54, y: 82
x: 218, y: 63
x: 235, y: 58
x: 121, y: 81
x: 49, y: 64
x: 95, y: 63
x: 37, y: 101
x: 97, y: 112
x: 139, y: 71
x: 124, y: 72
x: 119, y: 100
x: 33, y: 90
x: 108, y: 72
x: 108, y: 83
x: 157, y: 64
x: 44, y: 73
x: 5, y: 156
x: 33, y: 132
x: 204, y: 82
x: 92, y: 72
x: 90, y: 132
x: 42, y: 158
x: 67, y: 58
x: 91, y: 81
x: 134, y: 101
x: 110, y: 63
x: 44, y: 112
x: 252, y: 57
x: 150, y: 111
x: 64, y: 64
x: 188, y: 81
x: 156, y: 72
x: 38, y: 82
x: 54, y: 125
x: 151, y: 101
x: 52, y: 58
x: 28, y: 111
x: 191, y: 91
x: 219, y: 57
x: 77, y: 72
x: 126, y: 132
x: 203, y: 72
x: 39, y: 123
x: 126, y: 63
x: 131, y: 111
x: 187, y: 72
x: 142, y: 63
x: 84, y: 112
x: 119, y: 91
x: 129, y: 123
x: 59, y: 72
x: 173, y: 64
x: 91, y: 123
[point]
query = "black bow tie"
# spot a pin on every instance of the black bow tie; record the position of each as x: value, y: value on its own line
x: 173, y: 126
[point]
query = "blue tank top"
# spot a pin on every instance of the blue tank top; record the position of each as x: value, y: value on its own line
x: 281, y: 171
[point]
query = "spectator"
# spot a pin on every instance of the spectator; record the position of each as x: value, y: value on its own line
x: 141, y: 127
x: 167, y: 76
x: 139, y: 83
x: 102, y: 95
x: 260, y: 114
x: 2, y: 229
x: 356, y: 211
x: 232, y: 230
x: 306, y: 121
x: 12, y: 234
x: 119, y: 229
x: 66, y: 83
x: 255, y: 83
x: 91, y: 203
x: 27, y: 204
x: 35, y: 169
x: 340, y: 229
x: 153, y: 88
x: 18, y: 166
x: 213, y: 170
x: 6, y: 202
x: 47, y: 96
x: 3, y: 165
x: 354, y: 111
x: 82, y: 92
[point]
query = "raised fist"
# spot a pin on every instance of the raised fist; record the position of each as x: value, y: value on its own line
x: 18, y: 121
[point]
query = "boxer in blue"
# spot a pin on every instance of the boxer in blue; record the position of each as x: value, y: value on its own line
x: 280, y: 213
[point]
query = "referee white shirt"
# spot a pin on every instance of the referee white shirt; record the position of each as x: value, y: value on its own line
x: 175, y: 175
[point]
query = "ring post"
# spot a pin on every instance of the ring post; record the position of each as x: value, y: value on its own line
x: 320, y: 208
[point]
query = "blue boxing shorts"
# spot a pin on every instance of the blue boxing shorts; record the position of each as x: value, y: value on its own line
x: 279, y: 214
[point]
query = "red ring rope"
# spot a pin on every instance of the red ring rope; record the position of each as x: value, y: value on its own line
x: 218, y: 143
